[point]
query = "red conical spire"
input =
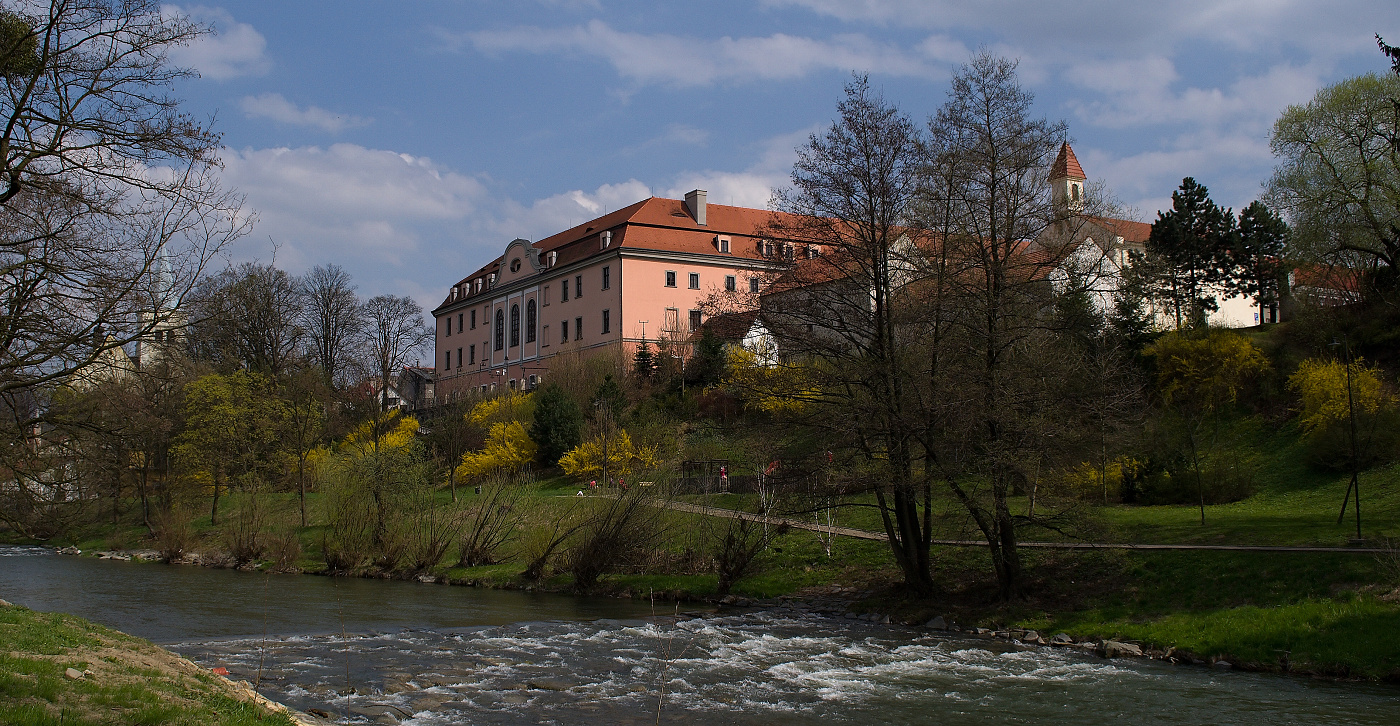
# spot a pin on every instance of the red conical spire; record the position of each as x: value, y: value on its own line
x: 1066, y: 166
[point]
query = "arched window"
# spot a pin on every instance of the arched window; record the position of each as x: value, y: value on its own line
x: 514, y: 325
x: 500, y: 329
x: 530, y: 321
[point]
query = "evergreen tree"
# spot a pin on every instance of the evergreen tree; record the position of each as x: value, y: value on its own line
x: 644, y: 363
x: 708, y: 364
x: 1258, y: 254
x: 1192, y: 245
x: 558, y: 425
x: 608, y: 399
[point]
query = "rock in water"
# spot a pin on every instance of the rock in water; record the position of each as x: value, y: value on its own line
x: 1115, y: 649
x: 937, y: 623
x: 1061, y: 639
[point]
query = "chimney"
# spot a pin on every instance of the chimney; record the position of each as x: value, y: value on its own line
x: 695, y: 202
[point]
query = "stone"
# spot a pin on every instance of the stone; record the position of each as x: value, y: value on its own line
x: 74, y: 674
x: 426, y: 578
x: 318, y: 713
x: 375, y: 710
x: 937, y: 623
x: 1032, y: 637
x: 1061, y: 639
x: 1223, y: 665
x: 69, y: 551
x: 5, y: 603
x: 1115, y: 649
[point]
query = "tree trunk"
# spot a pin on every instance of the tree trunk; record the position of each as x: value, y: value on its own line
x: 145, y: 504
x: 301, y: 484
x: 214, y: 510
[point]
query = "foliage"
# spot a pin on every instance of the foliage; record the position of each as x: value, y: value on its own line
x: 509, y: 407
x: 1087, y: 480
x: 558, y: 424
x: 394, y: 431
x: 508, y: 449
x: 490, y: 523
x: 232, y: 425
x: 613, y: 454
x: 1325, y: 417
x: 1338, y: 177
x: 1322, y: 387
x: 1205, y: 372
x: 772, y: 388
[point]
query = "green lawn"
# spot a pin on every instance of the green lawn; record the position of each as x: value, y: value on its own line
x: 130, y: 681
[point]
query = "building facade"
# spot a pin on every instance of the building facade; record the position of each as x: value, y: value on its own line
x: 641, y: 272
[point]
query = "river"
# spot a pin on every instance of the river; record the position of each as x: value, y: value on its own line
x: 369, y: 651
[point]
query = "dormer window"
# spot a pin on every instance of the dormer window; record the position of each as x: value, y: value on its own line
x: 553, y: 258
x: 604, y: 240
x: 722, y: 243
x: 515, y: 265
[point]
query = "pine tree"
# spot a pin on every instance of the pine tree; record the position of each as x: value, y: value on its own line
x: 1192, y: 244
x: 609, y: 400
x: 1258, y: 254
x: 707, y: 367
x: 558, y: 425
x: 644, y: 363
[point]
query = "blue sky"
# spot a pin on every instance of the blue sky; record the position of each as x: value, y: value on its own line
x: 408, y: 142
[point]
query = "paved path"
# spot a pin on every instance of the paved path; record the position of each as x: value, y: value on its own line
x: 880, y: 536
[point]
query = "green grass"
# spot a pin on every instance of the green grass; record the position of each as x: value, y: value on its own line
x: 133, y: 682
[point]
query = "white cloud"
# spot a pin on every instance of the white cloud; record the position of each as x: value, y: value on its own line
x: 235, y: 49
x: 683, y: 61
x: 274, y: 106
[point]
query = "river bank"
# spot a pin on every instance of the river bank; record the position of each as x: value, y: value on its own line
x: 59, y: 668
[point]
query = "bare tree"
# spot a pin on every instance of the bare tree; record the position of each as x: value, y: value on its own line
x: 250, y: 317
x: 1000, y: 387
x: 331, y: 316
x: 110, y: 206
x: 394, y: 330
x: 848, y: 250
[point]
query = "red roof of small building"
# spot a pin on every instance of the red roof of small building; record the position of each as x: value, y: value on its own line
x: 1066, y: 166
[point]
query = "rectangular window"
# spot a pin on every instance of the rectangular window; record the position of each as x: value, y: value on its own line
x: 695, y: 281
x: 753, y: 284
x: 546, y: 294
x: 673, y: 320
x: 459, y: 325
x: 578, y: 285
x: 694, y: 320
x: 670, y: 278
x: 607, y: 321
x: 459, y: 357
x: 578, y: 328
x: 447, y: 360
x: 545, y: 336
x: 472, y: 349
x: 564, y: 331
x: 564, y: 290
x: 607, y: 277
x: 730, y: 283
x: 449, y: 327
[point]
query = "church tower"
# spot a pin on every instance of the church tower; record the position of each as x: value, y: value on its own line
x: 1067, y: 181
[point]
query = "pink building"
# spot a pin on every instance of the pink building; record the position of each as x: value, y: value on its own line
x: 641, y: 270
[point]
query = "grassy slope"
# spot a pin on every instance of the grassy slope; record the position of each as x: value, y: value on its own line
x: 132, y: 682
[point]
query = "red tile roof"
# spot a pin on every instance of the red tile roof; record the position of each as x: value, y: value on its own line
x: 1066, y: 166
x: 656, y: 223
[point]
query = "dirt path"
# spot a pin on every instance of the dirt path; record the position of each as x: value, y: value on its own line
x: 880, y: 536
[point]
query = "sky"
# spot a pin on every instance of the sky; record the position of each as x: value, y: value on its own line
x: 409, y: 142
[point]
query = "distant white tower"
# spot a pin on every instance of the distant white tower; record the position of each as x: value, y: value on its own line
x: 165, y: 323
